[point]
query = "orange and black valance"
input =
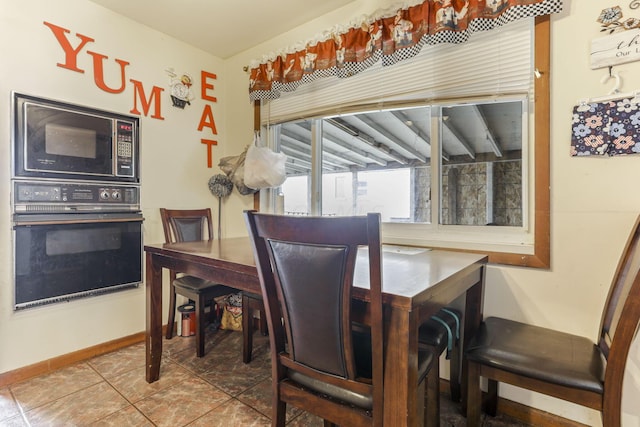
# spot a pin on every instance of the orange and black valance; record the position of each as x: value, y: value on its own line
x: 391, y: 37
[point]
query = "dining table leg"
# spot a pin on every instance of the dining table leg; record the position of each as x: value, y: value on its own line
x: 153, y: 334
x: 401, y: 400
x: 473, y: 314
x: 402, y: 405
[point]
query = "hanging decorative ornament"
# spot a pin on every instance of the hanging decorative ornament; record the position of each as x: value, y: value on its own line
x: 180, y: 89
x: 220, y: 186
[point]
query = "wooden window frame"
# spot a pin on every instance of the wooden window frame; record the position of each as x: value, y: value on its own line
x: 541, y: 256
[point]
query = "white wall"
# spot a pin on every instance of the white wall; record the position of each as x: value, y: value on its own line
x: 174, y: 167
x: 594, y: 202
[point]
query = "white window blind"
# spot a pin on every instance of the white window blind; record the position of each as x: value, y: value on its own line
x: 495, y: 62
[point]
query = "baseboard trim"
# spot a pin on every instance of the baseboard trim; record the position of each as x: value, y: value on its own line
x: 523, y: 413
x: 50, y: 365
x: 532, y: 416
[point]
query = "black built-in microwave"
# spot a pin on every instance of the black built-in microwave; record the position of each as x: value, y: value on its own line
x: 57, y: 140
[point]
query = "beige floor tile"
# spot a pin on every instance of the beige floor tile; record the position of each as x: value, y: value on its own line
x: 182, y: 403
x: 210, y: 361
x: 219, y: 346
x: 134, y: 387
x: 115, y: 363
x: 128, y: 416
x: 259, y: 397
x: 234, y: 377
x: 306, y: 420
x: 47, y: 388
x: 232, y: 413
x: 80, y: 408
x: 178, y: 344
x: 16, y: 421
x: 8, y: 406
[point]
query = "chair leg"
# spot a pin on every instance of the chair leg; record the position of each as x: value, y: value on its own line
x: 278, y: 412
x: 263, y: 320
x: 422, y: 397
x: 247, y: 329
x: 474, y: 395
x: 464, y: 383
x: 432, y: 394
x: 454, y: 373
x: 172, y: 312
x: 491, y: 402
x: 200, y: 325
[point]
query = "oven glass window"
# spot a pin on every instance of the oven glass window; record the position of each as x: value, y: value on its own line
x: 56, y: 261
x: 84, y: 240
x: 67, y: 142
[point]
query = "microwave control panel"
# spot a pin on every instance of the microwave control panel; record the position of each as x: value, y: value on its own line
x: 124, y: 147
x: 37, y: 197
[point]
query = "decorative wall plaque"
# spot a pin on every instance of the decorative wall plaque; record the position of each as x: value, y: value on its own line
x: 615, y: 49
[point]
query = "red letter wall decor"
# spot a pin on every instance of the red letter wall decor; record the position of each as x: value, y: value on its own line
x: 71, y: 54
x: 206, y: 85
x: 206, y: 118
x: 71, y: 63
x: 209, y: 143
x: 150, y: 105
x: 138, y: 93
x: 98, y: 72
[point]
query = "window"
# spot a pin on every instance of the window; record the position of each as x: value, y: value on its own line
x: 460, y: 172
x: 382, y: 162
x: 482, y: 173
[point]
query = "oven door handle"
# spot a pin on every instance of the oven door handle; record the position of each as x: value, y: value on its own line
x: 68, y: 220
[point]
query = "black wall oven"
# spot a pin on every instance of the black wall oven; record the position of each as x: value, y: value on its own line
x: 60, y: 257
x: 77, y: 223
x: 74, y: 239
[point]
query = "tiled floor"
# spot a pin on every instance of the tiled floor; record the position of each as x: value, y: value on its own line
x: 216, y: 390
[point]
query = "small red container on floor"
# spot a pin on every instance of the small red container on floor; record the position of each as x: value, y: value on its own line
x: 188, y: 312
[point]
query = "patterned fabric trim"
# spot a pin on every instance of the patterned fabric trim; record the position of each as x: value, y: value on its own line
x: 606, y: 128
x: 390, y: 39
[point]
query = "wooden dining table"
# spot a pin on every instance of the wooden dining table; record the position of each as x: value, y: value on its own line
x: 417, y: 282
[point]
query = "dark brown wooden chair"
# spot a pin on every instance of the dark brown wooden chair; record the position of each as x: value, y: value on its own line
x: 559, y: 364
x: 185, y: 225
x: 322, y: 361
